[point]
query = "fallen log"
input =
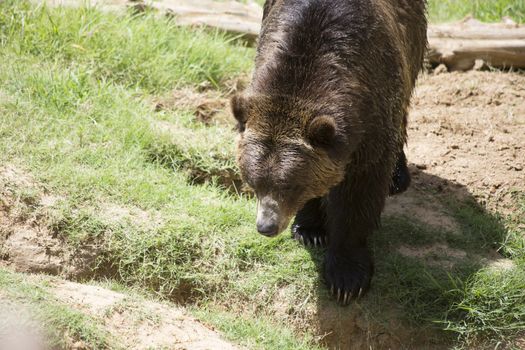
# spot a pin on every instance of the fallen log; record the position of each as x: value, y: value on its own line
x: 472, y: 29
x: 458, y: 46
x: 230, y: 16
x: 458, y: 54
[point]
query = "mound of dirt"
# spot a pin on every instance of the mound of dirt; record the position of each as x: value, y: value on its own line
x: 140, y: 324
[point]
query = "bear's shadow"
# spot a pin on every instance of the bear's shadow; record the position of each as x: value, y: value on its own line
x: 432, y: 237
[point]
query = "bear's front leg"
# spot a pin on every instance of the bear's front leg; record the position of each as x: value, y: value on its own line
x: 353, y: 210
x: 309, y: 224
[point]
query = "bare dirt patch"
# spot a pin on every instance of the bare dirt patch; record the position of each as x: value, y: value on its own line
x: 354, y: 328
x: 421, y: 207
x: 207, y: 106
x: 140, y: 324
x: 434, y: 255
x: 468, y: 129
x: 114, y: 213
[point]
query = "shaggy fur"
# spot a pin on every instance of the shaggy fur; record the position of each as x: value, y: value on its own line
x: 323, y: 123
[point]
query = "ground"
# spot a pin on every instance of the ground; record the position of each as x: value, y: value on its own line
x: 466, y: 127
x: 117, y: 177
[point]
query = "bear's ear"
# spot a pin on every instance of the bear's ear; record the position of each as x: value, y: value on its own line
x: 321, y: 131
x: 239, y: 105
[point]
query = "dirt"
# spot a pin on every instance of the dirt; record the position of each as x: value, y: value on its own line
x: 436, y: 254
x: 207, y: 106
x: 423, y: 207
x: 468, y: 129
x: 137, y: 323
x: 114, y: 213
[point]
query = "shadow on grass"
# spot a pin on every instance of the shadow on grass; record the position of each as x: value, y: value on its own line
x: 422, y: 268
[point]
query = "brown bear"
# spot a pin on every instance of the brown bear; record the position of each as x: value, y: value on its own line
x: 322, y: 124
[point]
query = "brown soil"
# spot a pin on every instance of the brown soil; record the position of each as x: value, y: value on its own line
x: 468, y: 129
x: 423, y: 207
x: 140, y: 324
x: 207, y: 106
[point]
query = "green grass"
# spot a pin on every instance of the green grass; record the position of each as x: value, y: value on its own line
x: 75, y: 87
x: 62, y: 323
x: 138, y: 51
x: 257, y: 333
x: 479, y: 304
x: 489, y: 307
x: 484, y: 10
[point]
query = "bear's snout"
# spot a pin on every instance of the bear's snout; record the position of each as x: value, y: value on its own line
x: 267, y: 228
x: 270, y: 220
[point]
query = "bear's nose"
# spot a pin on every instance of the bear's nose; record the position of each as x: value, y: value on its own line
x: 267, y: 228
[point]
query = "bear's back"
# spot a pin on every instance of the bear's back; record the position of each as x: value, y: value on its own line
x: 306, y: 43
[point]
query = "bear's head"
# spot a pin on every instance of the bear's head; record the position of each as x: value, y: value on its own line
x: 288, y: 151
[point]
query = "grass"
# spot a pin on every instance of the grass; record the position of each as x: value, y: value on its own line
x: 484, y: 10
x: 174, y: 57
x: 477, y: 303
x: 257, y: 333
x: 490, y: 306
x: 75, y: 86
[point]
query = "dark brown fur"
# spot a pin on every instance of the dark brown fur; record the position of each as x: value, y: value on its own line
x: 323, y: 122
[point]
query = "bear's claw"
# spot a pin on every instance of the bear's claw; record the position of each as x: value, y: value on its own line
x: 309, y: 237
x: 348, y: 275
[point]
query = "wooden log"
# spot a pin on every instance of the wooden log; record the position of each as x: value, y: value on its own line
x: 230, y: 16
x: 460, y: 45
x: 461, y: 55
x: 472, y: 29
